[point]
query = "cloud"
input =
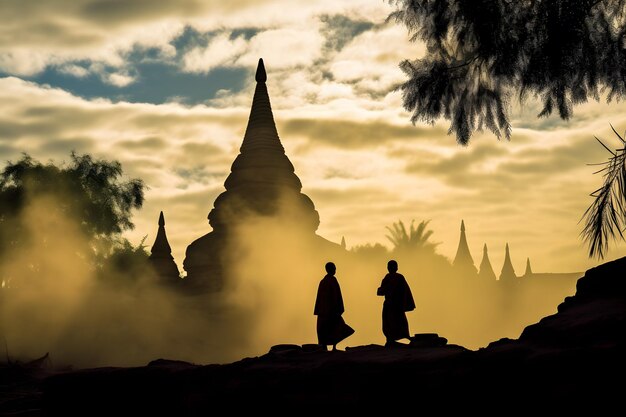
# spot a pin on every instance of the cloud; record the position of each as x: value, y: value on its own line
x: 153, y: 143
x: 22, y: 61
x: 54, y: 32
x: 119, y: 79
x: 496, y: 164
x: 284, y: 47
x: 222, y: 50
x: 370, y: 62
x: 339, y: 30
x: 74, y: 70
x: 353, y: 134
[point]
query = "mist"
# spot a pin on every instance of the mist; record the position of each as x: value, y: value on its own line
x: 53, y: 301
x: 276, y: 268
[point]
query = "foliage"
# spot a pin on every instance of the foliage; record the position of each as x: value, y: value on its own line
x: 482, y: 53
x: 126, y: 263
x: 370, y: 251
x: 606, y: 216
x: 89, y: 191
x: 416, y: 239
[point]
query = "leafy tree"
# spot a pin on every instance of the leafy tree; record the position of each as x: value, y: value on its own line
x: 415, y: 239
x: 370, y: 251
x: 605, y: 219
x: 89, y: 191
x: 482, y: 53
x: 126, y: 264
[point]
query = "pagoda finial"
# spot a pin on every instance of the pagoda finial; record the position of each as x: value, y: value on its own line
x: 261, y: 75
x: 161, y: 219
x: 462, y: 226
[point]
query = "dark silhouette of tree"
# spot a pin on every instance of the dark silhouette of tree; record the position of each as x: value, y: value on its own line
x: 89, y: 191
x: 415, y: 239
x: 482, y: 53
x: 125, y: 264
x: 370, y: 250
x: 605, y: 219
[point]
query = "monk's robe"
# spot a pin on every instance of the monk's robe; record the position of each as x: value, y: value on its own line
x: 398, y: 300
x: 331, y: 328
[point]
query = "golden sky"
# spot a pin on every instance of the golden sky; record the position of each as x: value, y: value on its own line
x: 165, y: 87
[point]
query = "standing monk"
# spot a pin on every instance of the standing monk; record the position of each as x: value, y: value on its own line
x: 331, y: 329
x: 398, y: 300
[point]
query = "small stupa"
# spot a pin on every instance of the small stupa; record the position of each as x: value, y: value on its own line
x: 486, y: 270
x: 508, y: 273
x: 161, y: 257
x: 463, y: 261
x: 529, y: 270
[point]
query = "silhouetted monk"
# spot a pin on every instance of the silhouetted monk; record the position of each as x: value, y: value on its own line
x: 398, y: 300
x: 331, y: 328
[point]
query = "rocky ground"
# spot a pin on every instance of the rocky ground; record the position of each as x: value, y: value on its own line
x: 572, y: 361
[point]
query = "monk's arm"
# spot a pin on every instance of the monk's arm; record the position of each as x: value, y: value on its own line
x: 381, y: 289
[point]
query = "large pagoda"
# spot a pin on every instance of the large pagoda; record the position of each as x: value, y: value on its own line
x: 262, y: 182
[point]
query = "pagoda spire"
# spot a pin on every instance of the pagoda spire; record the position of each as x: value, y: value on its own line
x: 261, y: 130
x: 161, y: 247
x: 486, y: 270
x: 463, y: 258
x: 261, y: 175
x: 262, y: 182
x: 161, y: 255
x: 507, y: 272
x: 529, y: 270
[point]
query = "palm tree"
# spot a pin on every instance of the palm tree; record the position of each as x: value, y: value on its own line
x: 606, y: 216
x: 415, y: 239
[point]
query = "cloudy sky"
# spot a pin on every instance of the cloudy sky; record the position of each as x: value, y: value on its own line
x: 165, y: 88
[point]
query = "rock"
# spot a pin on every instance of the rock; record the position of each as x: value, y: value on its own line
x: 595, y: 316
x: 313, y: 347
x: 427, y: 340
x: 284, y: 348
x: 174, y: 364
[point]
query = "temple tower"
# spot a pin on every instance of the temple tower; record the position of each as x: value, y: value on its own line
x: 486, y: 270
x: 463, y: 261
x: 262, y: 182
x: 508, y: 273
x: 161, y: 256
x: 529, y: 270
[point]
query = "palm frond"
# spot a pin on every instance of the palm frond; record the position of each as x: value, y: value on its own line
x: 605, y: 218
x: 416, y: 238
